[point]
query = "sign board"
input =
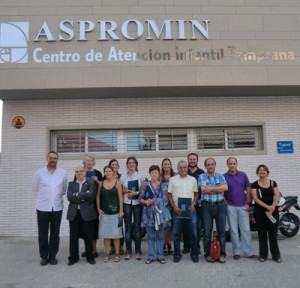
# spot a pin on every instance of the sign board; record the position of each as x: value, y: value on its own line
x: 285, y: 147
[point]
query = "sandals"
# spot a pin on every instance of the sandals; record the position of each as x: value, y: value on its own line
x: 170, y: 250
x: 121, y: 251
x: 262, y: 259
x: 279, y: 260
x: 127, y: 257
x: 161, y: 261
x: 210, y: 260
x: 138, y: 256
x: 117, y: 258
x: 106, y: 258
x: 165, y: 251
x: 149, y: 261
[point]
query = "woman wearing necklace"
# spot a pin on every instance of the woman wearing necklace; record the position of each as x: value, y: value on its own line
x: 166, y: 173
x: 132, y: 182
x: 151, y: 191
x: 116, y: 175
x: 110, y: 208
x: 266, y: 194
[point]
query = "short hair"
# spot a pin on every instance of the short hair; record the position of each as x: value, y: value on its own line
x: 153, y: 168
x: 231, y: 158
x: 193, y: 154
x: 134, y: 159
x: 112, y: 161
x: 88, y: 155
x: 209, y: 159
x: 172, y: 173
x: 181, y: 161
x: 264, y: 166
x: 107, y: 166
x: 52, y: 152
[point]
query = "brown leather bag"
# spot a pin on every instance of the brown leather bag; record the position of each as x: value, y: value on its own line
x: 215, y: 247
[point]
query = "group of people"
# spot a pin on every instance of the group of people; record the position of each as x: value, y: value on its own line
x: 167, y: 205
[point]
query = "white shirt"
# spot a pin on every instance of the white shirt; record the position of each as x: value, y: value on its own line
x: 182, y: 187
x: 49, y: 189
x: 124, y: 181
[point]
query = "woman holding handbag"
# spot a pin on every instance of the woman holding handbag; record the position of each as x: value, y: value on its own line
x: 150, y: 194
x: 266, y: 195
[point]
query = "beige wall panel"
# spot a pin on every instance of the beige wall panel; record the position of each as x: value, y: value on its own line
x: 103, y: 77
x: 226, y: 3
x: 273, y: 35
x: 66, y: 78
x: 46, y: 3
x: 280, y: 23
x: 288, y: 3
x: 40, y: 11
x: 81, y: 2
x: 190, y: 2
x: 106, y: 10
x: 138, y: 10
x: 74, y: 10
x: 17, y: 3
x: 286, y: 10
x: 23, y: 79
x: 238, y: 35
x: 254, y: 10
x: 142, y: 76
x: 279, y: 75
x: 213, y: 76
x: 9, y: 11
x: 218, y: 10
x: 177, y: 76
x: 119, y: 2
x: 155, y: 2
x: 245, y: 23
x: 261, y: 2
x: 218, y: 23
x: 183, y: 10
x: 245, y: 75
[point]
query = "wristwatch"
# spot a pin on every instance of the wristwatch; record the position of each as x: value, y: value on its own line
x: 194, y: 203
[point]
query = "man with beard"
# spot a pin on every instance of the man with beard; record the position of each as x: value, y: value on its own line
x: 48, y: 186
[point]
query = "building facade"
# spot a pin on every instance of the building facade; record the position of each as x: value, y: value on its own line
x: 154, y: 80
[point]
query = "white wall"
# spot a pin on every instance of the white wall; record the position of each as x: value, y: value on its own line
x: 24, y: 150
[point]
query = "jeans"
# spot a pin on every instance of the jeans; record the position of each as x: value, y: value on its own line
x: 136, y: 212
x: 199, y: 225
x: 48, y: 248
x: 190, y: 230
x: 159, y: 242
x: 238, y: 217
x: 209, y: 213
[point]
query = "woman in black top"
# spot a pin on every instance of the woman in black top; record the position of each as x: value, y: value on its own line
x: 266, y: 195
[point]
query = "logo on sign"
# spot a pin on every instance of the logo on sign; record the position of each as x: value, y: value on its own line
x: 14, y: 42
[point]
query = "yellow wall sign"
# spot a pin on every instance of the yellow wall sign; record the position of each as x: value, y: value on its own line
x: 18, y: 122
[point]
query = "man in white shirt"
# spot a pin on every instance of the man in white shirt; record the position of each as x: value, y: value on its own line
x: 183, y: 186
x: 48, y: 186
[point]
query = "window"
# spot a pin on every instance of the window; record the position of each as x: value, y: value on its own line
x: 158, y: 140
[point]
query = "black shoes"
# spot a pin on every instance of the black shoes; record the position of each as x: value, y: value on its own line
x: 44, y: 262
x: 176, y: 260
x: 92, y: 262
x: 195, y: 260
x: 52, y: 261
x: 186, y: 250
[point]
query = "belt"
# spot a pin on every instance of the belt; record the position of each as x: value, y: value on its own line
x: 212, y: 203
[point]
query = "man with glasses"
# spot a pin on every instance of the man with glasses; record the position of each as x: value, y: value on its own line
x: 48, y: 186
x: 183, y: 186
x: 81, y: 213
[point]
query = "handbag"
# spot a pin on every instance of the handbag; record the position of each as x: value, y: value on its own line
x: 215, y: 247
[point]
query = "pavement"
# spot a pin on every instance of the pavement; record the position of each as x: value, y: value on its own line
x: 20, y: 268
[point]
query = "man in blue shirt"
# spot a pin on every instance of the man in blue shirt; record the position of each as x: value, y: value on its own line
x: 213, y: 186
